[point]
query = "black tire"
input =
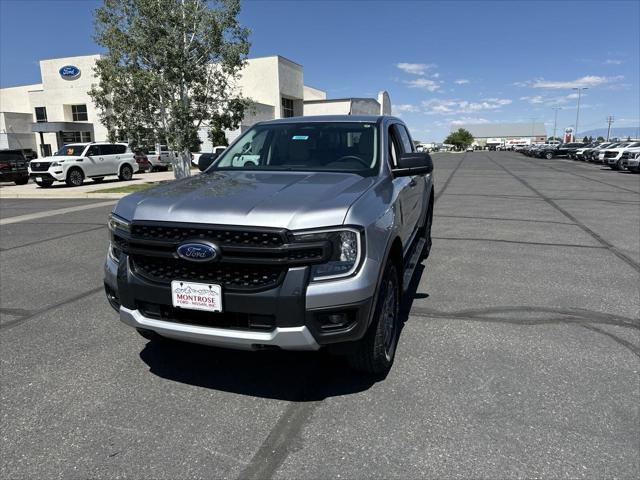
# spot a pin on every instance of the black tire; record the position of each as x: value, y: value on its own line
x: 98, y: 179
x: 44, y: 183
x: 75, y: 177
x: 126, y: 172
x: 548, y: 155
x: 375, y: 352
x: 21, y: 181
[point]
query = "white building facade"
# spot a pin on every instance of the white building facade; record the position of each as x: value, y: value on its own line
x: 48, y: 115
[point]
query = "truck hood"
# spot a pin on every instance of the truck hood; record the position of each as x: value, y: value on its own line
x: 293, y: 200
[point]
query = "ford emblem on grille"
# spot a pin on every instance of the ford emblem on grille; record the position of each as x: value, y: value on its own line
x: 198, y: 251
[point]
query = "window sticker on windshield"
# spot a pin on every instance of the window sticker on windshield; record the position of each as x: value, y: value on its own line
x: 300, y: 137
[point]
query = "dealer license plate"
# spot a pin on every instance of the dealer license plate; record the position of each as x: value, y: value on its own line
x: 38, y: 179
x: 196, y: 296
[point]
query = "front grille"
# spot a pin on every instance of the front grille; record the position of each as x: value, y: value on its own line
x: 221, y: 236
x: 230, y: 320
x: 39, y: 166
x: 610, y: 154
x: 230, y: 276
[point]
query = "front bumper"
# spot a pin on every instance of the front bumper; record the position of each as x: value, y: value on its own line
x: 51, y: 174
x: 297, y: 309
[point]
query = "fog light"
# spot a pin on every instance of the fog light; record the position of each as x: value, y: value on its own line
x: 335, y: 320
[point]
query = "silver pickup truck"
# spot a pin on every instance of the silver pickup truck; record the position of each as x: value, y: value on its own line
x: 303, y: 234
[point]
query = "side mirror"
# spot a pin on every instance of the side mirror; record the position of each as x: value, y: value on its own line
x: 205, y: 161
x: 410, y: 164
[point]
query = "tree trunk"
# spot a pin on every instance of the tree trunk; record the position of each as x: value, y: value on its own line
x: 181, y: 164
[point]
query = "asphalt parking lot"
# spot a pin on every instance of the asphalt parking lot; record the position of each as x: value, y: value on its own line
x: 519, y: 356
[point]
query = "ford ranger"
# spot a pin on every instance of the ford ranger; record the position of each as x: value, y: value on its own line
x: 302, y: 234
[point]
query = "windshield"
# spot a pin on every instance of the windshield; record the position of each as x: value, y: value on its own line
x: 70, y: 151
x: 313, y: 146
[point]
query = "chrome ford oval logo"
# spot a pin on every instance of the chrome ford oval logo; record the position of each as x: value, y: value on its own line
x: 197, y: 251
x: 69, y: 72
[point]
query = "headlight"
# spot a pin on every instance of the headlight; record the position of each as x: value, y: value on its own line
x: 346, y: 252
x: 117, y: 223
x: 55, y: 164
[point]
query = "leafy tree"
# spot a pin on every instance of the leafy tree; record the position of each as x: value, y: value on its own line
x: 600, y: 139
x: 460, y: 138
x: 170, y: 67
x: 585, y: 139
x: 552, y: 138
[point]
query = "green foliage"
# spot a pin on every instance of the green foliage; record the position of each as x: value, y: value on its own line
x: 600, y: 139
x: 460, y: 138
x: 170, y: 67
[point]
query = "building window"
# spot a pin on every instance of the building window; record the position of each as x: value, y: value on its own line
x: 41, y: 114
x: 86, y: 136
x: 287, y: 108
x: 79, y: 113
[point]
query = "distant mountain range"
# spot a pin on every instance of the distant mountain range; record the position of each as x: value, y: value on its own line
x: 622, y: 132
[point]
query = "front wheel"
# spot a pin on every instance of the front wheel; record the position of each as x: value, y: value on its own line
x: 126, y: 172
x: 75, y: 177
x: 548, y: 156
x: 21, y: 181
x: 375, y: 352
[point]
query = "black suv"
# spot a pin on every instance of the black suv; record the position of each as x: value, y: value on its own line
x: 13, y: 167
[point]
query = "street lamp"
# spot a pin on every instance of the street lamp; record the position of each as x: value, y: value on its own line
x: 579, y: 89
x: 555, y: 121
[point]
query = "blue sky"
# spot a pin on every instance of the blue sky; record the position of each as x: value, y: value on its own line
x: 442, y: 62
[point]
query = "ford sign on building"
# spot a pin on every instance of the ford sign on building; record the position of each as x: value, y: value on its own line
x: 69, y: 72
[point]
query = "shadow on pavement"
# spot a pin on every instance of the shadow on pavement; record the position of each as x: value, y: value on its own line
x: 282, y: 375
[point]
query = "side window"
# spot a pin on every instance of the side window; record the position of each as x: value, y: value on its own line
x: 407, y: 144
x: 94, y: 150
x: 394, y: 147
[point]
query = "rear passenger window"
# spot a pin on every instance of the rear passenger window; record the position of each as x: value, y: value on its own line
x: 120, y: 148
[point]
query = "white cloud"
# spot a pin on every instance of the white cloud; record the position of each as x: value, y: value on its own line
x: 446, y: 106
x: 586, y: 81
x: 415, y: 68
x: 471, y: 120
x: 405, y: 107
x: 461, y: 81
x: 424, y: 83
x: 551, y: 100
x: 435, y: 75
x: 613, y: 61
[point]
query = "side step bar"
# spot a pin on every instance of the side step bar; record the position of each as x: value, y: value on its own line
x: 412, y: 263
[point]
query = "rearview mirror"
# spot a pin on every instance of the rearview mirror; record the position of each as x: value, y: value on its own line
x: 205, y: 161
x: 410, y: 164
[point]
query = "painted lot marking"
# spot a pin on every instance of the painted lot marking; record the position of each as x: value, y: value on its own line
x: 50, y: 213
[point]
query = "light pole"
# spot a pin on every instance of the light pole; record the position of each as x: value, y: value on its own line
x: 579, y: 89
x: 555, y: 122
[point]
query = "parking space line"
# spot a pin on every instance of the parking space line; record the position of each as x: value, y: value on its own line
x: 626, y: 259
x: 50, y: 213
x: 446, y: 183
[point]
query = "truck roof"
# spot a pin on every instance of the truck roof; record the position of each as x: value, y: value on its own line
x: 330, y: 118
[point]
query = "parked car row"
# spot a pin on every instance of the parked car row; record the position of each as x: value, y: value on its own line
x: 615, y: 155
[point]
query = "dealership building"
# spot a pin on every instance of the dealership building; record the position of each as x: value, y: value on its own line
x: 48, y: 115
x: 493, y: 133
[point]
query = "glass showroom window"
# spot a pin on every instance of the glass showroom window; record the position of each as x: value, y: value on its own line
x: 79, y: 113
x: 86, y: 136
x: 287, y: 107
x: 41, y: 114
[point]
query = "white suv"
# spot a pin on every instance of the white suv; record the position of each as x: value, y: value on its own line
x: 77, y: 161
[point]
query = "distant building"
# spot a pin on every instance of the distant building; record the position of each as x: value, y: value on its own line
x: 484, y: 133
x: 48, y: 115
